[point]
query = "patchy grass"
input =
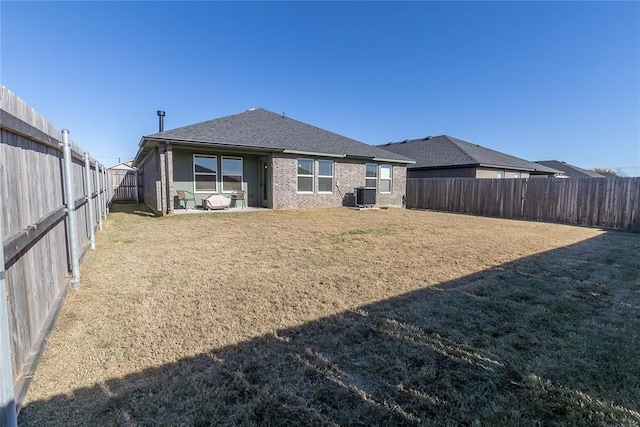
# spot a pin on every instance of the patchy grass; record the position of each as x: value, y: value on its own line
x: 343, y: 317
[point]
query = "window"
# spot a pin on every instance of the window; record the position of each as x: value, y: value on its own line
x: 385, y: 179
x: 305, y: 176
x: 231, y: 174
x: 205, y: 173
x: 371, y: 177
x: 516, y: 174
x: 500, y: 174
x: 325, y: 176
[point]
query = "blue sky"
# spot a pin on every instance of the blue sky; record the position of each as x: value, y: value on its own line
x: 538, y: 80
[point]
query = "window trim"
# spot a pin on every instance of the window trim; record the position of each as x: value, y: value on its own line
x: 390, y: 179
x: 222, y: 174
x: 367, y: 178
x: 195, y: 189
x: 332, y: 176
x: 312, y: 175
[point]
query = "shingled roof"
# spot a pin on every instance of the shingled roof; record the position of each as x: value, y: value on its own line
x: 570, y: 170
x: 259, y: 129
x: 444, y: 151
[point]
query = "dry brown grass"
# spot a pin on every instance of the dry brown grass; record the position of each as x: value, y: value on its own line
x: 343, y: 317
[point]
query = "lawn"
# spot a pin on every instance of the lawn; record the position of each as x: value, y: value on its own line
x: 345, y: 317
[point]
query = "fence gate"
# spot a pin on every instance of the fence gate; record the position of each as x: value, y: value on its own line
x: 126, y: 185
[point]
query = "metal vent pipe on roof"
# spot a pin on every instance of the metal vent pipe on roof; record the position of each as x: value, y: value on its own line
x: 161, y: 121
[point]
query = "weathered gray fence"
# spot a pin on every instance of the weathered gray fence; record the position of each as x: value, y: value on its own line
x: 608, y: 203
x: 51, y: 204
x: 127, y: 185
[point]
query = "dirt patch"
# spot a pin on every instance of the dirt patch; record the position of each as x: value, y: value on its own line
x: 338, y: 316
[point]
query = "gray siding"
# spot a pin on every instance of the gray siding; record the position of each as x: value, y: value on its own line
x: 183, y: 174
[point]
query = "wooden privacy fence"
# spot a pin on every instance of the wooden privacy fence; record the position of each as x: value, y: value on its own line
x: 608, y: 203
x: 127, y: 185
x: 53, y: 195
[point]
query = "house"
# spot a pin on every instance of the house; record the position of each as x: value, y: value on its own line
x: 122, y: 166
x: 279, y: 162
x: 447, y: 157
x: 570, y: 171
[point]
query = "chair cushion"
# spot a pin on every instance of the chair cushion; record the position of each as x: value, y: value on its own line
x: 215, y: 201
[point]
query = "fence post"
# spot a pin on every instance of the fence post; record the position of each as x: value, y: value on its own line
x: 99, y: 196
x: 71, y: 210
x: 7, y: 399
x: 90, y: 206
x: 107, y: 185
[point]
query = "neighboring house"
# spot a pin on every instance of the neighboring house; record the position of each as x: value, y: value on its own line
x: 122, y: 166
x: 570, y: 171
x: 447, y: 157
x: 280, y: 163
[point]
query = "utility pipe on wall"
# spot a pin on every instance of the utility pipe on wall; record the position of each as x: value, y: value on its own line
x: 71, y: 210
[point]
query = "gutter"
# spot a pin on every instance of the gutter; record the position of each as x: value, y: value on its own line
x: 209, y: 144
x: 144, y: 146
x: 312, y: 153
x: 482, y: 165
x: 380, y: 159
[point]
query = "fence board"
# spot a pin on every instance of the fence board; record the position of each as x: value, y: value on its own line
x: 609, y: 203
x: 35, y: 225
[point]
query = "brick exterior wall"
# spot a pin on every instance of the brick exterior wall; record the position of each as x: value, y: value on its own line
x: 151, y: 180
x: 350, y: 174
x: 493, y: 173
x: 463, y: 173
x: 442, y: 173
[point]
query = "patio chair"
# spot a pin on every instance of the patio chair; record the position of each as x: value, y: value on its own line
x: 185, y: 198
x: 238, y: 195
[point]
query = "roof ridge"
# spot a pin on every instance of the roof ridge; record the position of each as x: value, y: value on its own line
x: 451, y: 140
x: 156, y: 134
x: 284, y: 116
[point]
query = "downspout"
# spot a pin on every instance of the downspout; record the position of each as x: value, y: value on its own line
x: 161, y: 194
x: 136, y: 183
x: 168, y: 169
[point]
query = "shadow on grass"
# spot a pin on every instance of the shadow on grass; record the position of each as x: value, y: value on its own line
x: 548, y: 339
x: 139, y: 209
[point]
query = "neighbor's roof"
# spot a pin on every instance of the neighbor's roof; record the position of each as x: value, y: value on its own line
x: 122, y: 165
x: 570, y: 170
x: 259, y: 129
x: 445, y: 151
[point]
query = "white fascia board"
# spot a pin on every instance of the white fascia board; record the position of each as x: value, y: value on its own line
x: 380, y: 159
x: 311, y: 153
